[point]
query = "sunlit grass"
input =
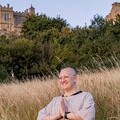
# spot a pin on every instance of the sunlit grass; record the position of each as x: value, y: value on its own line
x: 22, y: 101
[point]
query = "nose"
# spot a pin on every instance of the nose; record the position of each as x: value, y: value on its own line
x: 61, y: 79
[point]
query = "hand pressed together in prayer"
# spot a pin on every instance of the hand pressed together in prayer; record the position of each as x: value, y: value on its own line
x: 63, y: 108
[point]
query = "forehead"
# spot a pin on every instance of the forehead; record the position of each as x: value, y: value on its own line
x: 67, y: 72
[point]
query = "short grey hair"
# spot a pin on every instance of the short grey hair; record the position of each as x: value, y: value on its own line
x: 70, y: 69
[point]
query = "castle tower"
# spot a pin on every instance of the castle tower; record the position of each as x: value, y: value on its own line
x: 31, y: 10
x: 6, y: 18
x: 114, y: 12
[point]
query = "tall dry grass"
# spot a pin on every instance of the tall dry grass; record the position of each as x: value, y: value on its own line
x: 22, y: 101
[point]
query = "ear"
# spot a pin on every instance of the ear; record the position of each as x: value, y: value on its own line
x: 75, y: 78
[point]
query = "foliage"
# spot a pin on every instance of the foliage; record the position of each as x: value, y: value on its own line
x: 35, y: 24
x: 47, y: 44
x: 3, y: 74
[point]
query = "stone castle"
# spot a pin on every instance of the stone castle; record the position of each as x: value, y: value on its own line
x: 114, y: 12
x: 11, y: 21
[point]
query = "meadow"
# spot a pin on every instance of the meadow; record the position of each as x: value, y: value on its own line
x: 22, y: 101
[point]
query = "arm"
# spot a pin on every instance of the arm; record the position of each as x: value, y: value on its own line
x: 53, y: 117
x: 88, y: 110
x: 43, y: 116
x: 45, y: 113
x: 73, y: 116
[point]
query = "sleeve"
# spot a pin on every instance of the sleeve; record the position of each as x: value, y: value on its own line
x: 88, y: 110
x: 46, y: 111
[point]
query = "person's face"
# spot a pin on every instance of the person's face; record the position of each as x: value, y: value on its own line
x: 67, y: 80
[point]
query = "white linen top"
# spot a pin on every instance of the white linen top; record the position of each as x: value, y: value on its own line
x: 81, y: 103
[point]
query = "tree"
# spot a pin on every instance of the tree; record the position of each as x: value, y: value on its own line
x: 35, y: 24
x: 22, y: 54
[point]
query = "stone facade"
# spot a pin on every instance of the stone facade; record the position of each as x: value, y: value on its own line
x: 11, y: 21
x: 114, y: 11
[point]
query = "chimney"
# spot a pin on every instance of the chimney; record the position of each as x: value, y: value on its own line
x: 8, y: 5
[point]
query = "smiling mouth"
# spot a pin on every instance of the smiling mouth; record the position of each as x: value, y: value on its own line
x: 64, y: 83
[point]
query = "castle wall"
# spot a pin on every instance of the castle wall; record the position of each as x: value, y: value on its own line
x: 114, y: 12
x: 6, y: 18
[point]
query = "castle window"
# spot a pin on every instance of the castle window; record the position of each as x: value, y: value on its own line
x: 6, y: 17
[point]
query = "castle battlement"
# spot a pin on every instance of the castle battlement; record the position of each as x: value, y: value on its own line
x: 6, y: 8
x: 19, y: 13
x: 25, y: 13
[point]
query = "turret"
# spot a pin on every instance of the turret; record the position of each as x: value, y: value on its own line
x: 31, y: 10
x: 116, y: 4
x: 114, y: 11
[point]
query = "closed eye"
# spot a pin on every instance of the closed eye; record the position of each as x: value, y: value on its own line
x: 63, y: 77
x: 66, y: 76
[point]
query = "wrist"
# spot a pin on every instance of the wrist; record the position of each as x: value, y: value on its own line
x: 65, y: 115
x: 59, y: 116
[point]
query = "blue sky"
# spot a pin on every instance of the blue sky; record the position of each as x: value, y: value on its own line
x: 76, y: 12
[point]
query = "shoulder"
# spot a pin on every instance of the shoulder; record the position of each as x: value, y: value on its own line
x: 54, y: 100
x: 86, y: 95
x: 57, y: 98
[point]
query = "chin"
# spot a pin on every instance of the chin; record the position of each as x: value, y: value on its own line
x: 66, y: 88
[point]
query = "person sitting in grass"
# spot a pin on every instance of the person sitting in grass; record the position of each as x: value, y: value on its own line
x: 73, y: 104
